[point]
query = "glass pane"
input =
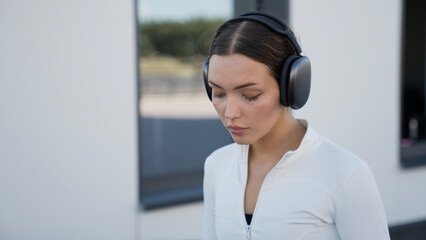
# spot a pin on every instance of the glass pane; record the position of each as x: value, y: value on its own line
x: 179, y: 126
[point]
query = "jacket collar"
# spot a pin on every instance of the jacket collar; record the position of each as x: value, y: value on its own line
x: 308, y: 138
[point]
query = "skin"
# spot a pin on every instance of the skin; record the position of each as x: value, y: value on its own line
x: 246, y: 96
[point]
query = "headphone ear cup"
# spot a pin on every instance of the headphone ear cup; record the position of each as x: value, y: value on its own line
x: 299, y: 82
x: 285, y: 70
x: 205, y: 77
x: 295, y: 82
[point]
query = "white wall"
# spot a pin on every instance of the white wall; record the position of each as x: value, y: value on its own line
x: 68, y: 133
x: 354, y: 47
x: 182, y: 222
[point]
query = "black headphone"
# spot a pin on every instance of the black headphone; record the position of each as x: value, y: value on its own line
x: 295, y: 81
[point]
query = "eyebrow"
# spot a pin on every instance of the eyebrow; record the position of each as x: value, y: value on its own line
x: 237, y: 87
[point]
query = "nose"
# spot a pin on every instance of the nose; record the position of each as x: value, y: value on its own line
x: 232, y: 108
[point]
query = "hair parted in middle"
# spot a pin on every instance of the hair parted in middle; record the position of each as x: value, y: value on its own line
x: 254, y: 40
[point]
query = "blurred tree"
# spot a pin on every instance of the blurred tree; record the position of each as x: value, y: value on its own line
x: 177, y: 39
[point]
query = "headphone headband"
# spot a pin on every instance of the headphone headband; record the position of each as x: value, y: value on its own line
x: 272, y: 22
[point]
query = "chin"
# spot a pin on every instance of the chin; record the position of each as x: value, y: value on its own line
x: 242, y: 140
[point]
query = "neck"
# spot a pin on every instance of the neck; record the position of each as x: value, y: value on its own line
x: 286, y: 135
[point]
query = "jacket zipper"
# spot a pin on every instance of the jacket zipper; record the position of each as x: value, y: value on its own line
x: 248, y: 232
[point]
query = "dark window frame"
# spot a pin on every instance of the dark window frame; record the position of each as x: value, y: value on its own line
x: 413, y: 81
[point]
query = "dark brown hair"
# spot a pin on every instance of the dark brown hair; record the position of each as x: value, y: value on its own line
x: 254, y: 40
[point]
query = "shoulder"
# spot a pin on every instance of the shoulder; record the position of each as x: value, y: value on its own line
x: 336, y: 155
x: 222, y: 156
x: 326, y: 154
x: 332, y: 165
x: 220, y: 162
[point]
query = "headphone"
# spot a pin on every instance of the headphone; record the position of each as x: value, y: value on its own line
x: 295, y: 80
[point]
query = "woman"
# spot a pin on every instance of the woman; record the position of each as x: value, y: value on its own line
x: 280, y: 179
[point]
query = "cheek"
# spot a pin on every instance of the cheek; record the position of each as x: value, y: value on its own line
x: 266, y: 112
x: 219, y: 107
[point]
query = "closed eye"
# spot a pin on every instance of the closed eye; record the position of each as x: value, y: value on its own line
x: 216, y: 95
x: 251, y: 99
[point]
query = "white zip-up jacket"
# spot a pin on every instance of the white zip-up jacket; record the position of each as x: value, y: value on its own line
x: 317, y: 192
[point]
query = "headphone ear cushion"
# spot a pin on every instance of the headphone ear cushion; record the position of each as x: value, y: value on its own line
x: 205, y: 77
x: 285, y: 70
x: 299, y: 82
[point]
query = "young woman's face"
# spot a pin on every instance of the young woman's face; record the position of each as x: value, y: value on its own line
x: 245, y: 95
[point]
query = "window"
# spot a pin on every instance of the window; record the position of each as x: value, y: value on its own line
x: 413, y: 84
x: 178, y: 124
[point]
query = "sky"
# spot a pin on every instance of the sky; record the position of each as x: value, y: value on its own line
x: 157, y: 10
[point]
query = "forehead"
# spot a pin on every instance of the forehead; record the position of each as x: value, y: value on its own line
x: 236, y: 69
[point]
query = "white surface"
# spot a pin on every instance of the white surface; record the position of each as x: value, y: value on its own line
x: 183, y: 222
x: 68, y: 154
x: 354, y: 47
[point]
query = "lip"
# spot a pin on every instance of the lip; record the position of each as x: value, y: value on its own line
x: 236, y: 130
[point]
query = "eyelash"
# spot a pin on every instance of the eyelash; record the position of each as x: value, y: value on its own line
x: 218, y: 95
x: 250, y: 99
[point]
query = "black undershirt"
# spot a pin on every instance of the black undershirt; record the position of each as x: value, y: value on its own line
x: 248, y: 218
